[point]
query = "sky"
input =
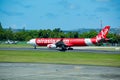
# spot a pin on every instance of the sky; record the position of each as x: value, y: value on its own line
x: 64, y: 14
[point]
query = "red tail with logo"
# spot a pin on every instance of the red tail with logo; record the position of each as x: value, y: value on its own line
x: 103, y: 33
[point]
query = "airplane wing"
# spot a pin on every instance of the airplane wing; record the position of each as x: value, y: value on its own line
x: 61, y: 44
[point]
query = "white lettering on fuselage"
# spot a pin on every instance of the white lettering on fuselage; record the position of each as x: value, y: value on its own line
x: 51, y: 40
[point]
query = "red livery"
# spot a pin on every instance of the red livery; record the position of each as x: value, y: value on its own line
x: 67, y: 43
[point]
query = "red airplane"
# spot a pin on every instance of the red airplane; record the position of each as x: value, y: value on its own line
x: 67, y: 43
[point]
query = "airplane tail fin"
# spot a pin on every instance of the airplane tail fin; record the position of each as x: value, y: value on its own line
x: 103, y: 33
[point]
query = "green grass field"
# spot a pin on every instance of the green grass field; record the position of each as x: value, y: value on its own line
x: 15, y: 46
x: 61, y: 57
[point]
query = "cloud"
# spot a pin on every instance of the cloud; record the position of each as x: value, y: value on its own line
x: 8, y: 13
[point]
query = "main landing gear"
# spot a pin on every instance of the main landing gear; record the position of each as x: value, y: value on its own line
x: 65, y: 48
x: 70, y: 48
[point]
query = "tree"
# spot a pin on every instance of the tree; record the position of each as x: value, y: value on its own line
x: 70, y: 35
x: 8, y: 34
x: 1, y: 28
x: 114, y: 38
x: 32, y: 33
x: 20, y: 36
x: 89, y: 34
x: 118, y: 38
x: 92, y: 33
x: 76, y: 35
x: 57, y: 30
x: 1, y: 32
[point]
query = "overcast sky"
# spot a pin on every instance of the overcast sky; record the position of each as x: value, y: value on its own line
x: 64, y: 14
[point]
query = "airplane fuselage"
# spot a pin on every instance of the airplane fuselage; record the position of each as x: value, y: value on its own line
x: 68, y: 41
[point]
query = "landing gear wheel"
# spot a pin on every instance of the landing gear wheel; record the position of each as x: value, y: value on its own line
x: 70, y: 48
x: 34, y: 46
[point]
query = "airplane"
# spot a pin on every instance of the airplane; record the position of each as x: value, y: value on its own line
x: 11, y: 42
x: 68, y: 43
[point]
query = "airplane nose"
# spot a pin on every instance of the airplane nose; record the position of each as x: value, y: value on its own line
x: 32, y: 41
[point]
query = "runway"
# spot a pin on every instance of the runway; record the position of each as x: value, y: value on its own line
x: 37, y: 71
x: 74, y: 50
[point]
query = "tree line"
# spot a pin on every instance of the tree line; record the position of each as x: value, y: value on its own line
x: 25, y: 35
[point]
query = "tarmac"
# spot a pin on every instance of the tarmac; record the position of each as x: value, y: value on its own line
x: 38, y: 71
x: 76, y: 49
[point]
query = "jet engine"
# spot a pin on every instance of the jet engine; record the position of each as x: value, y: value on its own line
x: 51, y: 46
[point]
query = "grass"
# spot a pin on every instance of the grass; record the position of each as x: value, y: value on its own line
x: 107, y: 48
x: 15, y: 46
x: 61, y: 57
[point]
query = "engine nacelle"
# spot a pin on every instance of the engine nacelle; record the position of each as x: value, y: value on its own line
x: 51, y: 46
